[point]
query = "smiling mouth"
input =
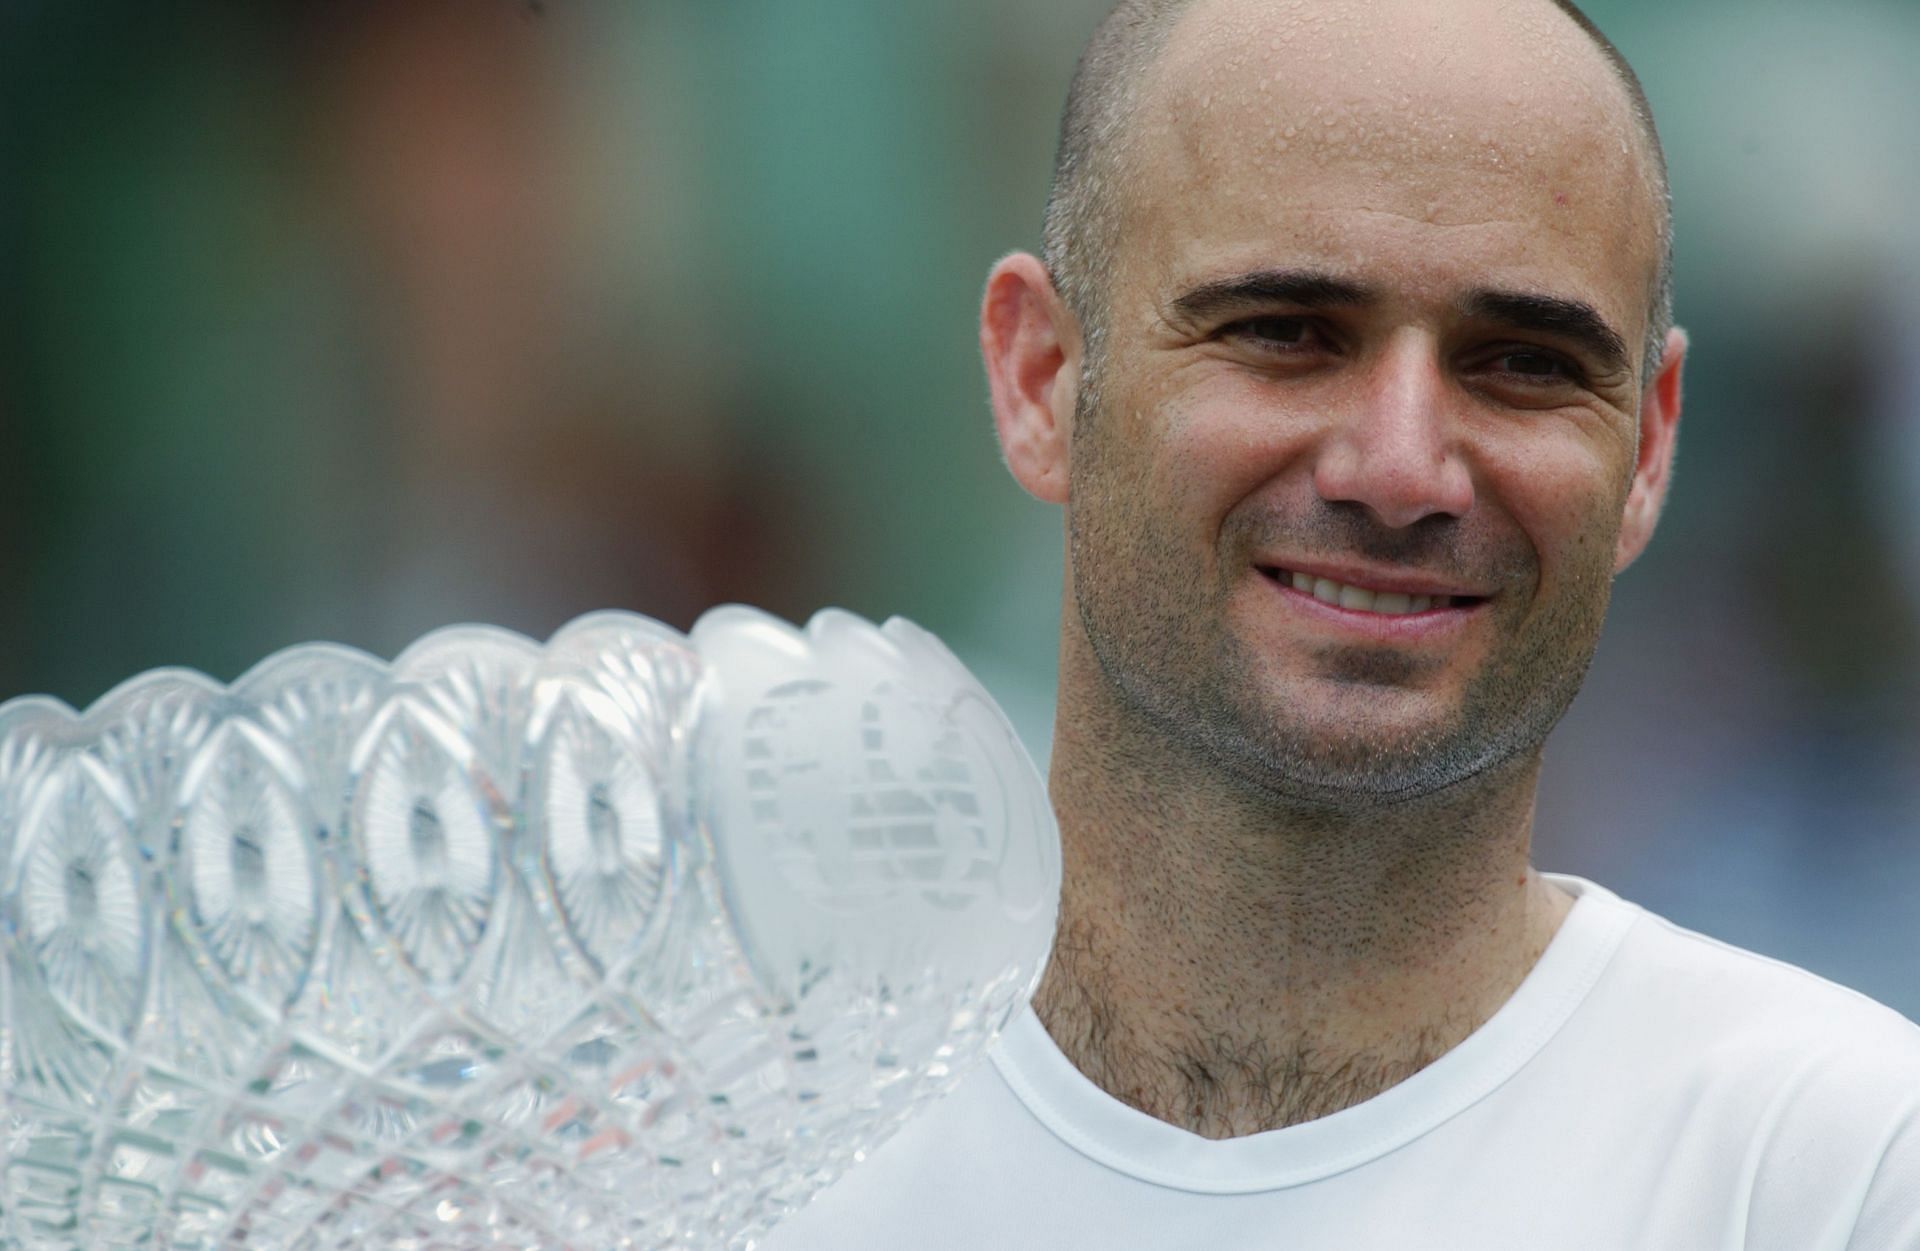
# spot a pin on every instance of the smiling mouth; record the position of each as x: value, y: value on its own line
x: 1362, y: 599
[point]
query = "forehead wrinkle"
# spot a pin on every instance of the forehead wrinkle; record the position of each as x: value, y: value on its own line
x: 1245, y: 89
x: 1325, y: 238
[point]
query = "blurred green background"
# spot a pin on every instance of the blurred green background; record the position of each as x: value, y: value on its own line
x: 344, y: 319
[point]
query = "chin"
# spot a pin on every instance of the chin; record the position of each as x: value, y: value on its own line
x: 1355, y: 721
x: 1377, y: 749
x: 1342, y: 785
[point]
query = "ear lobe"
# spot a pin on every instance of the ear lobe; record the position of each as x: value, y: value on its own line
x: 1031, y: 347
x: 1653, y: 467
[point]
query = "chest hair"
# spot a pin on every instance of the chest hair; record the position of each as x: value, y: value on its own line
x: 1223, y: 1083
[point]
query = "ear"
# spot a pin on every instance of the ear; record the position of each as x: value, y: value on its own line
x: 1653, y: 469
x: 1031, y: 343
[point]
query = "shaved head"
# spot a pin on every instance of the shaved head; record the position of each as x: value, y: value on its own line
x: 1099, y: 136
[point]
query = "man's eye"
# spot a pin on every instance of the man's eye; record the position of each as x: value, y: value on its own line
x: 1534, y: 365
x: 1285, y: 332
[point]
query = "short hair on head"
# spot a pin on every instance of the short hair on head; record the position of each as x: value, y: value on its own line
x: 1082, y: 211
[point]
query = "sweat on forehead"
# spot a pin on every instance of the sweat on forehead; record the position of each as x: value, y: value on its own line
x: 1396, y: 77
x: 1507, y: 86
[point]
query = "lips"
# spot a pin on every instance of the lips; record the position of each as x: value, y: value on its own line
x: 1407, y: 599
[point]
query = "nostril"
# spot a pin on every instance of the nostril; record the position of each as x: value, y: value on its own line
x: 1400, y: 482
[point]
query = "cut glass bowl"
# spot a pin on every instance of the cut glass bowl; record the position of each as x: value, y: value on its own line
x: 632, y: 940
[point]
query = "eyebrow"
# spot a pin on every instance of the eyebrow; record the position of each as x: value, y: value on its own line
x: 1572, y: 320
x: 1304, y: 288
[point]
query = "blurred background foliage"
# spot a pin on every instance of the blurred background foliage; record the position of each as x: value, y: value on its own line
x: 347, y: 319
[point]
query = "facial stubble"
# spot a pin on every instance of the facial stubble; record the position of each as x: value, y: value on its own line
x: 1159, y: 629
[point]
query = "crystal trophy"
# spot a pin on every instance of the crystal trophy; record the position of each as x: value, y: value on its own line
x: 633, y: 940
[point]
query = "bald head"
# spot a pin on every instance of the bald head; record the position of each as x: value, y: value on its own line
x: 1101, y: 128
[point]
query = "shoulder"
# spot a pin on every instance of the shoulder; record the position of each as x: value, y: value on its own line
x: 1670, y: 984
x: 1737, y: 1085
x: 1808, y: 1090
x: 1737, y: 1001
x: 1697, y: 1031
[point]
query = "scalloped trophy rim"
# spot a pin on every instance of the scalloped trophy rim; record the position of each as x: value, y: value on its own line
x: 895, y: 643
x: 19, y: 706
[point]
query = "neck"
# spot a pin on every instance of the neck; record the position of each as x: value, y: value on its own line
x: 1230, y: 962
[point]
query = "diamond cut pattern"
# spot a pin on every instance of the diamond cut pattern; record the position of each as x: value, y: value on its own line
x: 458, y: 951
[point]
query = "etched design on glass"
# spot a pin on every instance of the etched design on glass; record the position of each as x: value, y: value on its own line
x: 635, y: 939
x: 605, y: 831
x: 248, y: 862
x: 79, y: 898
x: 423, y: 827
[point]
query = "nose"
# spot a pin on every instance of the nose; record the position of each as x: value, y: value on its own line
x: 1393, y: 449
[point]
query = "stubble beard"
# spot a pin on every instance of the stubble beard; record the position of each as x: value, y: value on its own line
x: 1159, y: 634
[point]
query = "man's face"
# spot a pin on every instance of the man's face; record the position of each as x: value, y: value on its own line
x: 1347, y: 482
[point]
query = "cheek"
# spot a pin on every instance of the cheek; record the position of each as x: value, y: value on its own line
x: 1224, y: 440
x: 1563, y: 493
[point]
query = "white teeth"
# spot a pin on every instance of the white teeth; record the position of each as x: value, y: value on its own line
x: 1386, y: 603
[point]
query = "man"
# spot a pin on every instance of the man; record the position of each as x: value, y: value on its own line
x: 1351, y: 365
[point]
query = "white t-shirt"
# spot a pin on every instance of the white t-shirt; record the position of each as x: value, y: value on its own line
x: 1645, y: 1088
